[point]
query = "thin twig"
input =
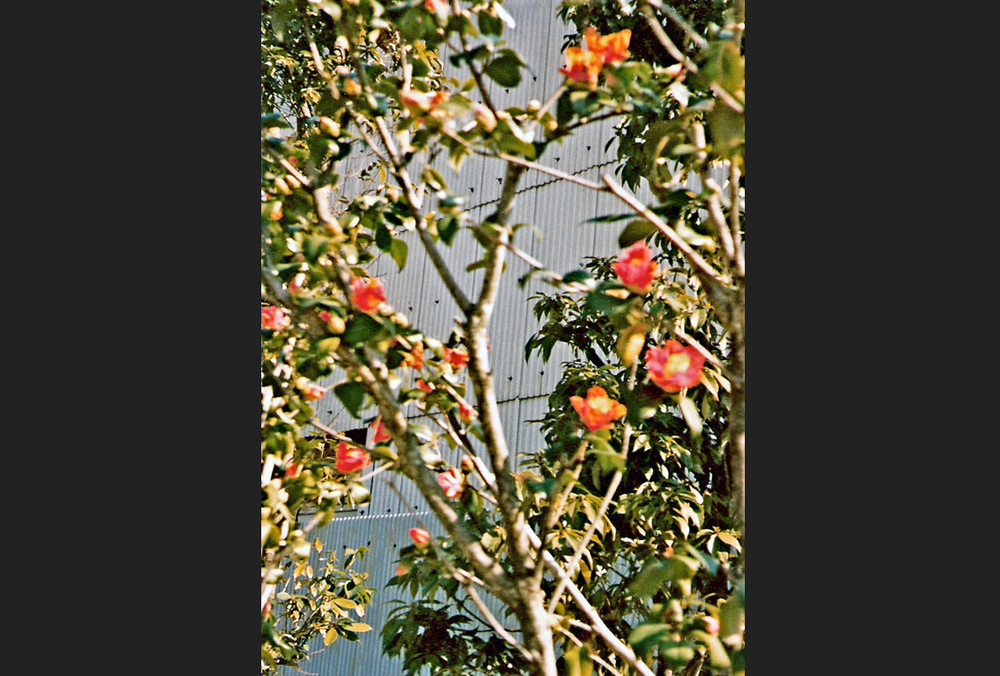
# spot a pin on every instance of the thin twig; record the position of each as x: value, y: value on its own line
x: 699, y: 263
x: 665, y: 40
x: 677, y: 19
x: 545, y: 170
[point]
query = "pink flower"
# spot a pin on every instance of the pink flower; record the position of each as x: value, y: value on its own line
x: 451, y: 483
x: 381, y: 434
x: 351, y: 458
x: 674, y: 366
x: 367, y: 293
x: 711, y: 624
x: 636, y: 269
x: 420, y: 537
x: 598, y: 411
x: 273, y: 318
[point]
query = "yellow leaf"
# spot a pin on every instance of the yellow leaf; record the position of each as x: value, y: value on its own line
x: 330, y: 636
x: 359, y: 627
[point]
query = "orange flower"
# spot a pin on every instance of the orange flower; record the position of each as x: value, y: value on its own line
x: 424, y: 386
x: 612, y: 48
x: 351, y: 458
x: 381, y: 433
x: 582, y: 66
x: 451, y: 483
x: 674, y: 366
x: 597, y: 411
x: 420, y: 537
x: 636, y: 268
x: 415, y: 357
x: 457, y: 358
x: 273, y: 318
x: 367, y: 293
x: 292, y: 470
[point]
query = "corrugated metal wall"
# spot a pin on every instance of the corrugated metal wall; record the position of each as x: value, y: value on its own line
x: 562, y: 239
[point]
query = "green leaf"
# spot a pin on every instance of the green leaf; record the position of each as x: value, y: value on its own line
x: 447, y: 229
x: 602, y: 302
x: 361, y: 328
x: 315, y: 246
x: 649, y: 581
x: 645, y: 637
x: 717, y: 655
x: 577, y: 276
x: 635, y: 231
x: 505, y: 70
x: 383, y: 238
x: 352, y: 395
x: 489, y: 25
x: 399, y: 251
x: 677, y: 655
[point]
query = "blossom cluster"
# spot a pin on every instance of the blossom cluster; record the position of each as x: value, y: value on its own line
x: 584, y: 65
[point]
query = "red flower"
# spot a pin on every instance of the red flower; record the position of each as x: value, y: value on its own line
x: 597, y: 411
x: 312, y: 391
x: 457, y: 358
x: 582, y: 66
x: 612, y: 48
x: 367, y: 293
x: 273, y: 318
x: 636, y: 268
x: 351, y: 458
x: 674, y: 366
x: 381, y: 434
x: 466, y: 413
x: 451, y: 483
x: 292, y: 470
x: 439, y: 7
x: 420, y: 537
x: 424, y: 386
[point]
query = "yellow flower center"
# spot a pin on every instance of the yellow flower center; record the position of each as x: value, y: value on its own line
x: 676, y: 363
